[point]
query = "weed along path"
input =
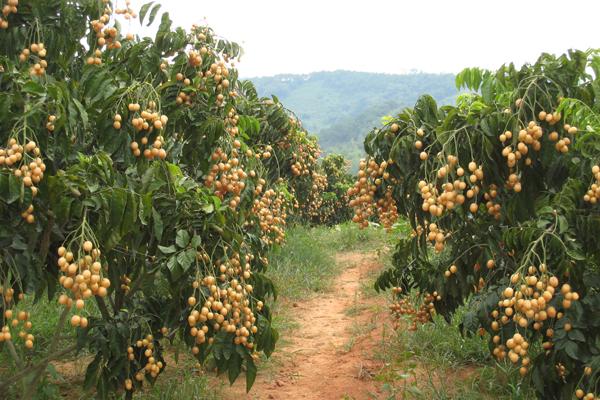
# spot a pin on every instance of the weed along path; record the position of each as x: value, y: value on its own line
x: 329, y: 354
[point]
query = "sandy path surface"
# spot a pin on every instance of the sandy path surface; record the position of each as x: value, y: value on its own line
x: 331, y: 353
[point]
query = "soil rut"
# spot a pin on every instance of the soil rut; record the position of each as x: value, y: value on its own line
x: 330, y: 354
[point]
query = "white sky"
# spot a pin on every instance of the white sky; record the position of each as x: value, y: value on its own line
x: 284, y: 36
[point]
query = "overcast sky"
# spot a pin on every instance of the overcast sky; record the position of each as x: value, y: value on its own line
x: 286, y: 36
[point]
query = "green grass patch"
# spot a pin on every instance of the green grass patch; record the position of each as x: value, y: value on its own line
x: 305, y: 264
x: 437, y: 361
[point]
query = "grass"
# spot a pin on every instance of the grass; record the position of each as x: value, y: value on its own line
x: 436, y: 361
x: 182, y: 383
x: 306, y: 263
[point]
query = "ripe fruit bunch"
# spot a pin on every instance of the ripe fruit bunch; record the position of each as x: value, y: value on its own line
x: 525, y: 264
x: 82, y: 274
x: 371, y: 179
x: 226, y: 309
x: 593, y: 193
x: 15, y: 320
x: 531, y: 302
x: 127, y: 12
x: 107, y: 35
x: 145, y: 124
x: 38, y: 52
x: 227, y: 175
x: 9, y: 7
x: 419, y: 309
x: 24, y: 162
x: 271, y: 209
x: 313, y: 200
x: 304, y: 160
x: 143, y: 362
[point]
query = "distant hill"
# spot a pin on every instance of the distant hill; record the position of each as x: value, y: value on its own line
x: 340, y: 107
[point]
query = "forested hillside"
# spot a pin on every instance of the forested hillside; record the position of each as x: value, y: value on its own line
x: 340, y: 106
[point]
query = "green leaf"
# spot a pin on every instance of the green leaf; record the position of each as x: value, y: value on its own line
x: 172, y: 263
x: 196, y: 241
x: 186, y: 258
x: 167, y: 250
x: 14, y: 189
x: 153, y: 14
x: 182, y: 239
x: 82, y: 113
x: 250, y: 373
x: 33, y: 87
x: 144, y: 10
x: 234, y: 367
x: 576, y: 335
x: 145, y: 208
x: 158, y: 224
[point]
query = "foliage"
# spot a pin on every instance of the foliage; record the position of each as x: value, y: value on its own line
x: 501, y: 191
x: 142, y: 175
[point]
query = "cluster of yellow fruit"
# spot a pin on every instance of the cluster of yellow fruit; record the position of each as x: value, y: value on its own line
x: 150, y: 153
x: 227, y: 308
x: 219, y: 73
x: 436, y: 235
x: 105, y: 35
x: 38, y: 52
x: 125, y: 282
x: 528, y: 305
x: 148, y: 119
x: 593, y: 193
x: 231, y: 123
x: 314, y: 199
x: 21, y: 318
x: 98, y: 27
x: 50, y: 123
x: 454, y: 192
x: 562, y: 144
x: 27, y: 214
x: 271, y: 209
x: 493, y: 208
x: 82, y: 276
x: 145, y: 352
x: 194, y: 58
x: 528, y: 138
x: 24, y: 162
x: 147, y: 122
x: 418, y: 313
x: 182, y: 97
x: 15, y: 320
x: 232, y: 266
x: 387, y: 212
x: 227, y: 175
x: 127, y: 12
x: 9, y: 8
x: 303, y: 160
x: 362, y: 194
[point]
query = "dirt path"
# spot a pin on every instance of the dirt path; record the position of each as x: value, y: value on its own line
x: 330, y: 354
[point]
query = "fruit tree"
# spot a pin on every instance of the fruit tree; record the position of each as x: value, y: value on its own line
x: 141, y: 187
x: 502, y: 193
